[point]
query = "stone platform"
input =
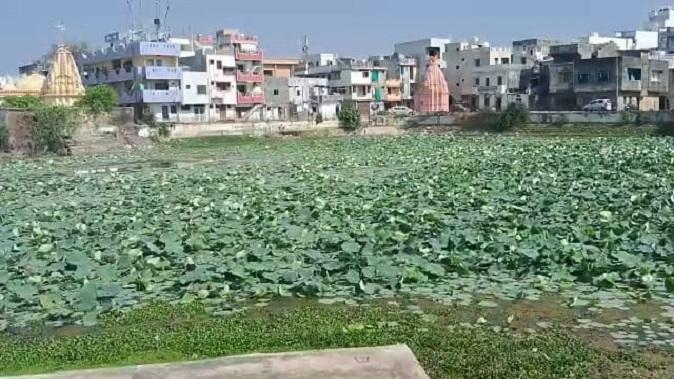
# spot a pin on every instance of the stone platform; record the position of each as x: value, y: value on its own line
x: 393, y: 362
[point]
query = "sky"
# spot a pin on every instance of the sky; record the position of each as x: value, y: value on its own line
x: 349, y: 27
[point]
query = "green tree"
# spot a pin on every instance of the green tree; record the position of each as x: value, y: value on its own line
x: 52, y: 127
x: 99, y: 100
x: 349, y: 116
x: 22, y: 102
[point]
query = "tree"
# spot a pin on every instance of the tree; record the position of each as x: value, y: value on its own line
x: 52, y: 127
x: 22, y: 102
x: 349, y: 116
x: 99, y: 99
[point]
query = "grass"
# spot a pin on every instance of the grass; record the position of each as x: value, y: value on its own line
x: 163, y: 333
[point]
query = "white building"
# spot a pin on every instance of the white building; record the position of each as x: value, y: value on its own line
x: 420, y: 51
x: 310, y: 96
x: 196, y: 100
x: 462, y: 59
x: 402, y: 69
x: 660, y: 19
x: 532, y: 51
x: 625, y: 40
x: 500, y: 85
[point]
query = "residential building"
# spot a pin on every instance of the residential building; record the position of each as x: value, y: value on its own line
x: 359, y: 81
x: 402, y: 76
x: 500, y: 86
x: 660, y: 19
x: 196, y: 103
x: 462, y: 59
x: 627, y: 78
x: 219, y: 65
x: 529, y: 52
x: 280, y: 67
x: 146, y: 76
x: 300, y: 99
x: 420, y: 50
x: 625, y: 40
x: 249, y: 72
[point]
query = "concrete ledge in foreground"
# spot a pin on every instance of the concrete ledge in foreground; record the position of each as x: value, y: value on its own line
x: 393, y: 362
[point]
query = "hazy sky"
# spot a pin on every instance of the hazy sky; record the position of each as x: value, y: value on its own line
x: 352, y: 27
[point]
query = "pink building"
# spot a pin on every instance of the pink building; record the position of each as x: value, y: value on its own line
x: 433, y: 94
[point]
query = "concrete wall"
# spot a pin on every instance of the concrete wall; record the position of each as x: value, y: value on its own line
x: 244, y: 129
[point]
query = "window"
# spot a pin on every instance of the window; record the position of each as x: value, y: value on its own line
x: 201, y: 90
x: 268, y: 73
x: 565, y: 77
x: 524, y: 60
x: 159, y: 63
x: 299, y: 93
x: 505, y: 60
x: 149, y: 62
x: 276, y: 92
x: 583, y: 78
x: 211, y: 62
x: 221, y: 86
x: 458, y: 85
x: 487, y: 82
x: 499, y: 81
x: 478, y: 63
x: 188, y: 86
x: 634, y: 74
x: 199, y: 109
x: 487, y: 102
x: 602, y: 77
x: 162, y: 86
x: 366, y: 74
x: 174, y: 109
x: 185, y: 107
x: 477, y: 81
x: 458, y: 68
x: 463, y: 59
x: 219, y: 65
x: 656, y: 76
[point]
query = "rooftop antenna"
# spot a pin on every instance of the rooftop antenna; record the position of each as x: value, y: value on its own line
x: 132, y: 26
x: 305, y: 46
x: 168, y: 9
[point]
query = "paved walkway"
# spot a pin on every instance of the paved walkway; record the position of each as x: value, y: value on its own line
x: 393, y: 362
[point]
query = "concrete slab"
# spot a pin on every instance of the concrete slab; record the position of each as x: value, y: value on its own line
x: 392, y: 362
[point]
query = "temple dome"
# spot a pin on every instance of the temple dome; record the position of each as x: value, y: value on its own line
x: 433, y: 94
x: 64, y: 83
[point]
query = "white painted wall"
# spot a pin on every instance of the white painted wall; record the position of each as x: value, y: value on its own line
x: 419, y: 51
x: 191, y: 83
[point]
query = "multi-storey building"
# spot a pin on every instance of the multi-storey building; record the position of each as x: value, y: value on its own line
x: 462, y: 59
x: 249, y: 72
x: 501, y: 85
x: 219, y: 67
x: 420, y: 50
x: 280, y: 67
x: 627, y: 78
x: 355, y: 80
x: 146, y: 76
x: 402, y: 76
x: 529, y: 52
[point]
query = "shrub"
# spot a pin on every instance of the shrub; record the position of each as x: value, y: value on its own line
x: 349, y: 116
x: 665, y: 129
x: 516, y: 115
x: 4, y: 138
x: 22, y: 102
x: 99, y: 100
x: 52, y: 128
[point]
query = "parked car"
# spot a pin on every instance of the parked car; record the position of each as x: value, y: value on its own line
x: 599, y: 105
x: 401, y: 111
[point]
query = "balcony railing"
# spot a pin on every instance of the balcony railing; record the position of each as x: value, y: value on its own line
x: 250, y: 99
x: 249, y: 77
x: 111, y: 76
x: 162, y: 96
x: 394, y: 97
x: 242, y: 38
x: 246, y: 56
x: 162, y: 73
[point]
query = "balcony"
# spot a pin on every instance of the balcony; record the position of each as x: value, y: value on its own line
x: 394, y: 83
x: 246, y: 56
x: 162, y: 96
x: 242, y: 38
x: 250, y: 99
x: 493, y: 89
x: 249, y: 77
x: 394, y: 97
x: 111, y: 76
x: 162, y: 73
